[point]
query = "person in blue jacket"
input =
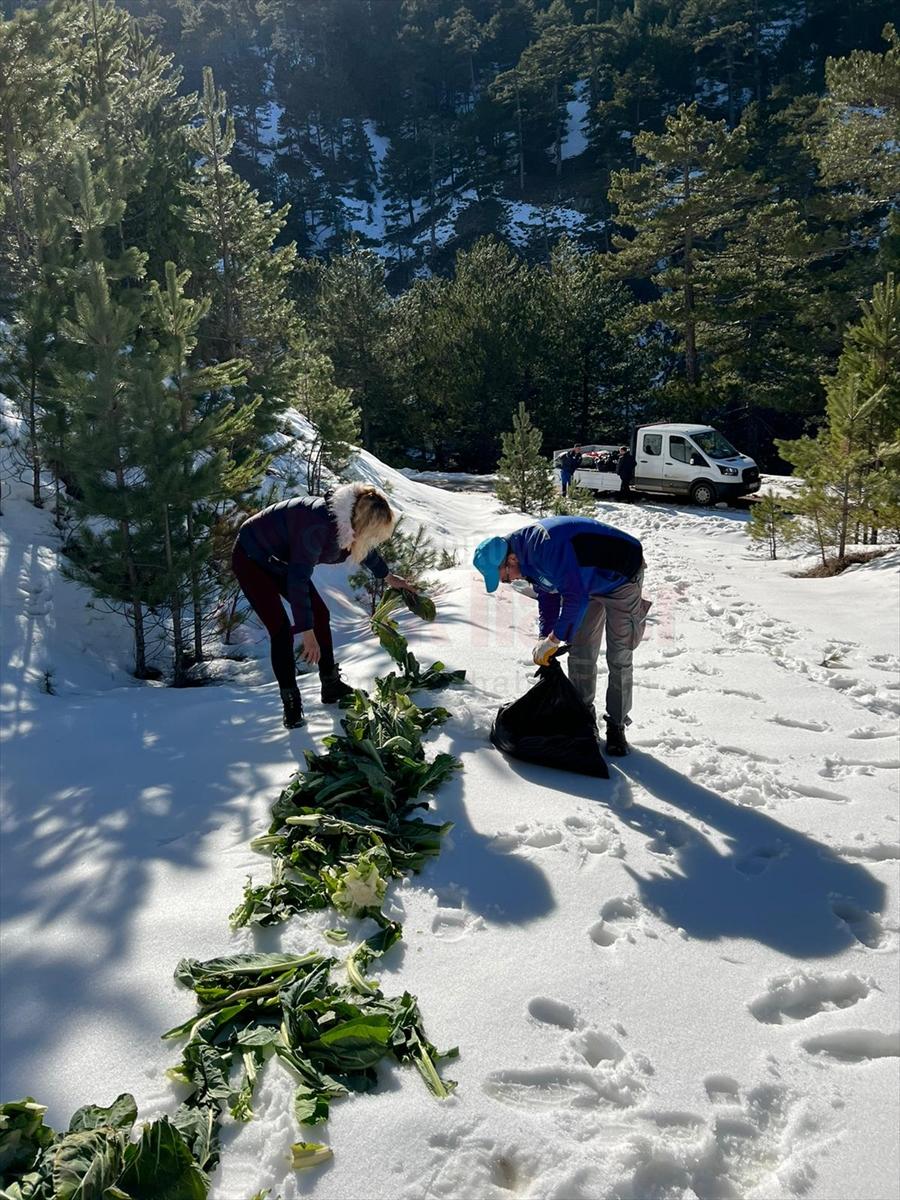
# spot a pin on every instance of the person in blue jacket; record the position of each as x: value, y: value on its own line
x: 568, y: 465
x: 587, y: 577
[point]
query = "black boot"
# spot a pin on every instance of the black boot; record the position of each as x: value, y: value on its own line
x: 333, y: 687
x: 293, y: 707
x: 616, y: 745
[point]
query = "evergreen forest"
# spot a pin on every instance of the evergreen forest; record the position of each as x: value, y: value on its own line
x: 405, y: 219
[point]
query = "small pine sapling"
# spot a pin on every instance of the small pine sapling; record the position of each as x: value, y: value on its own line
x: 411, y: 556
x: 524, y: 478
x: 578, y: 502
x: 770, y: 525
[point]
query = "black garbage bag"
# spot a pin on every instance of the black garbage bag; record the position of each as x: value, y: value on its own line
x: 550, y: 725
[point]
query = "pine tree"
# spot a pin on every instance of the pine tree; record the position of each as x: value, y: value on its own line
x: 852, y: 137
x: 36, y: 134
x: 537, y: 88
x: 578, y: 502
x: 524, y: 479
x: 406, y: 184
x: 728, y: 39
x: 641, y: 69
x: 36, y: 137
x: 237, y: 264
x: 680, y: 205
x: 764, y: 347
x: 465, y: 35
x: 593, y: 376
x: 851, y: 476
x: 113, y: 552
x: 421, y: 373
x: 352, y: 316
x: 858, y: 154
x: 77, y: 78
x: 193, y: 425
x: 770, y: 524
x: 26, y: 350
x: 334, y: 419
x: 487, y: 331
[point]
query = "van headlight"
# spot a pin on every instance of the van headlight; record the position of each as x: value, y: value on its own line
x: 729, y: 470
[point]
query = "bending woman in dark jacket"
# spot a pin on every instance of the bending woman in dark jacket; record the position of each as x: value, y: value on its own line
x: 274, y: 556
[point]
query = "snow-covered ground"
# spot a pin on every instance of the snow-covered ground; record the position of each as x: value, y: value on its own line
x: 682, y: 982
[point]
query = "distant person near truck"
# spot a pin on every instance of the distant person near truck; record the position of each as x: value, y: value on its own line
x: 625, y: 471
x: 588, y: 578
x: 568, y: 465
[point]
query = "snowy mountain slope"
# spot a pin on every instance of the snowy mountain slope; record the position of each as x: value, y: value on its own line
x: 361, y: 203
x: 681, y: 982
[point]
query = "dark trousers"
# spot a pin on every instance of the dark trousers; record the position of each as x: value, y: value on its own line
x: 625, y: 491
x: 565, y: 478
x: 264, y: 591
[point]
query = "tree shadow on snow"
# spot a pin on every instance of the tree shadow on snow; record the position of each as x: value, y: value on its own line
x: 503, y: 888
x: 104, y: 800
x: 769, y: 883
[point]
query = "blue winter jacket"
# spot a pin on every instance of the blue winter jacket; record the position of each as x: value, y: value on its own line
x: 289, y: 539
x: 570, y: 559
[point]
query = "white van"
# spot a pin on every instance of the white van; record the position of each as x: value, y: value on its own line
x: 682, y: 460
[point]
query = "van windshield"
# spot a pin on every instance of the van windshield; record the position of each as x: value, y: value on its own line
x: 712, y: 443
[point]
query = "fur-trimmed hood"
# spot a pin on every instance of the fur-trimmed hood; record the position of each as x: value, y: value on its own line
x: 340, y: 505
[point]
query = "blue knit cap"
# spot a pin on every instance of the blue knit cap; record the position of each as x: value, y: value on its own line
x: 490, y: 555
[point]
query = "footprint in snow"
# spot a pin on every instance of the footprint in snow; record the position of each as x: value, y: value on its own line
x: 818, y: 793
x: 534, y: 834
x: 854, y: 1045
x: 685, y: 716
x: 582, y: 834
x: 871, y: 851
x: 700, y: 668
x: 552, y: 1012
x: 758, y: 861
x: 620, y: 919
x: 865, y: 927
x: 670, y: 837
x: 453, y: 924
x: 722, y: 1089
x: 795, y: 723
x: 466, y: 1163
x: 842, y: 768
x: 886, y: 662
x: 805, y: 994
x: 745, y: 1146
x: 561, y: 1087
x: 594, y: 1068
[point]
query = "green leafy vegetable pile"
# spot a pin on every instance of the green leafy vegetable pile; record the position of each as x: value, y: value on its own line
x: 94, y: 1159
x: 342, y: 828
x: 333, y: 1035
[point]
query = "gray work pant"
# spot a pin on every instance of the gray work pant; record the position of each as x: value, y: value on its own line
x: 623, y: 613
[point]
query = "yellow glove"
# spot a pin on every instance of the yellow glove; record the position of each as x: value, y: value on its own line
x: 544, y: 650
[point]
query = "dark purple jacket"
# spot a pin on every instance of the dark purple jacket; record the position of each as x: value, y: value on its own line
x: 289, y: 539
